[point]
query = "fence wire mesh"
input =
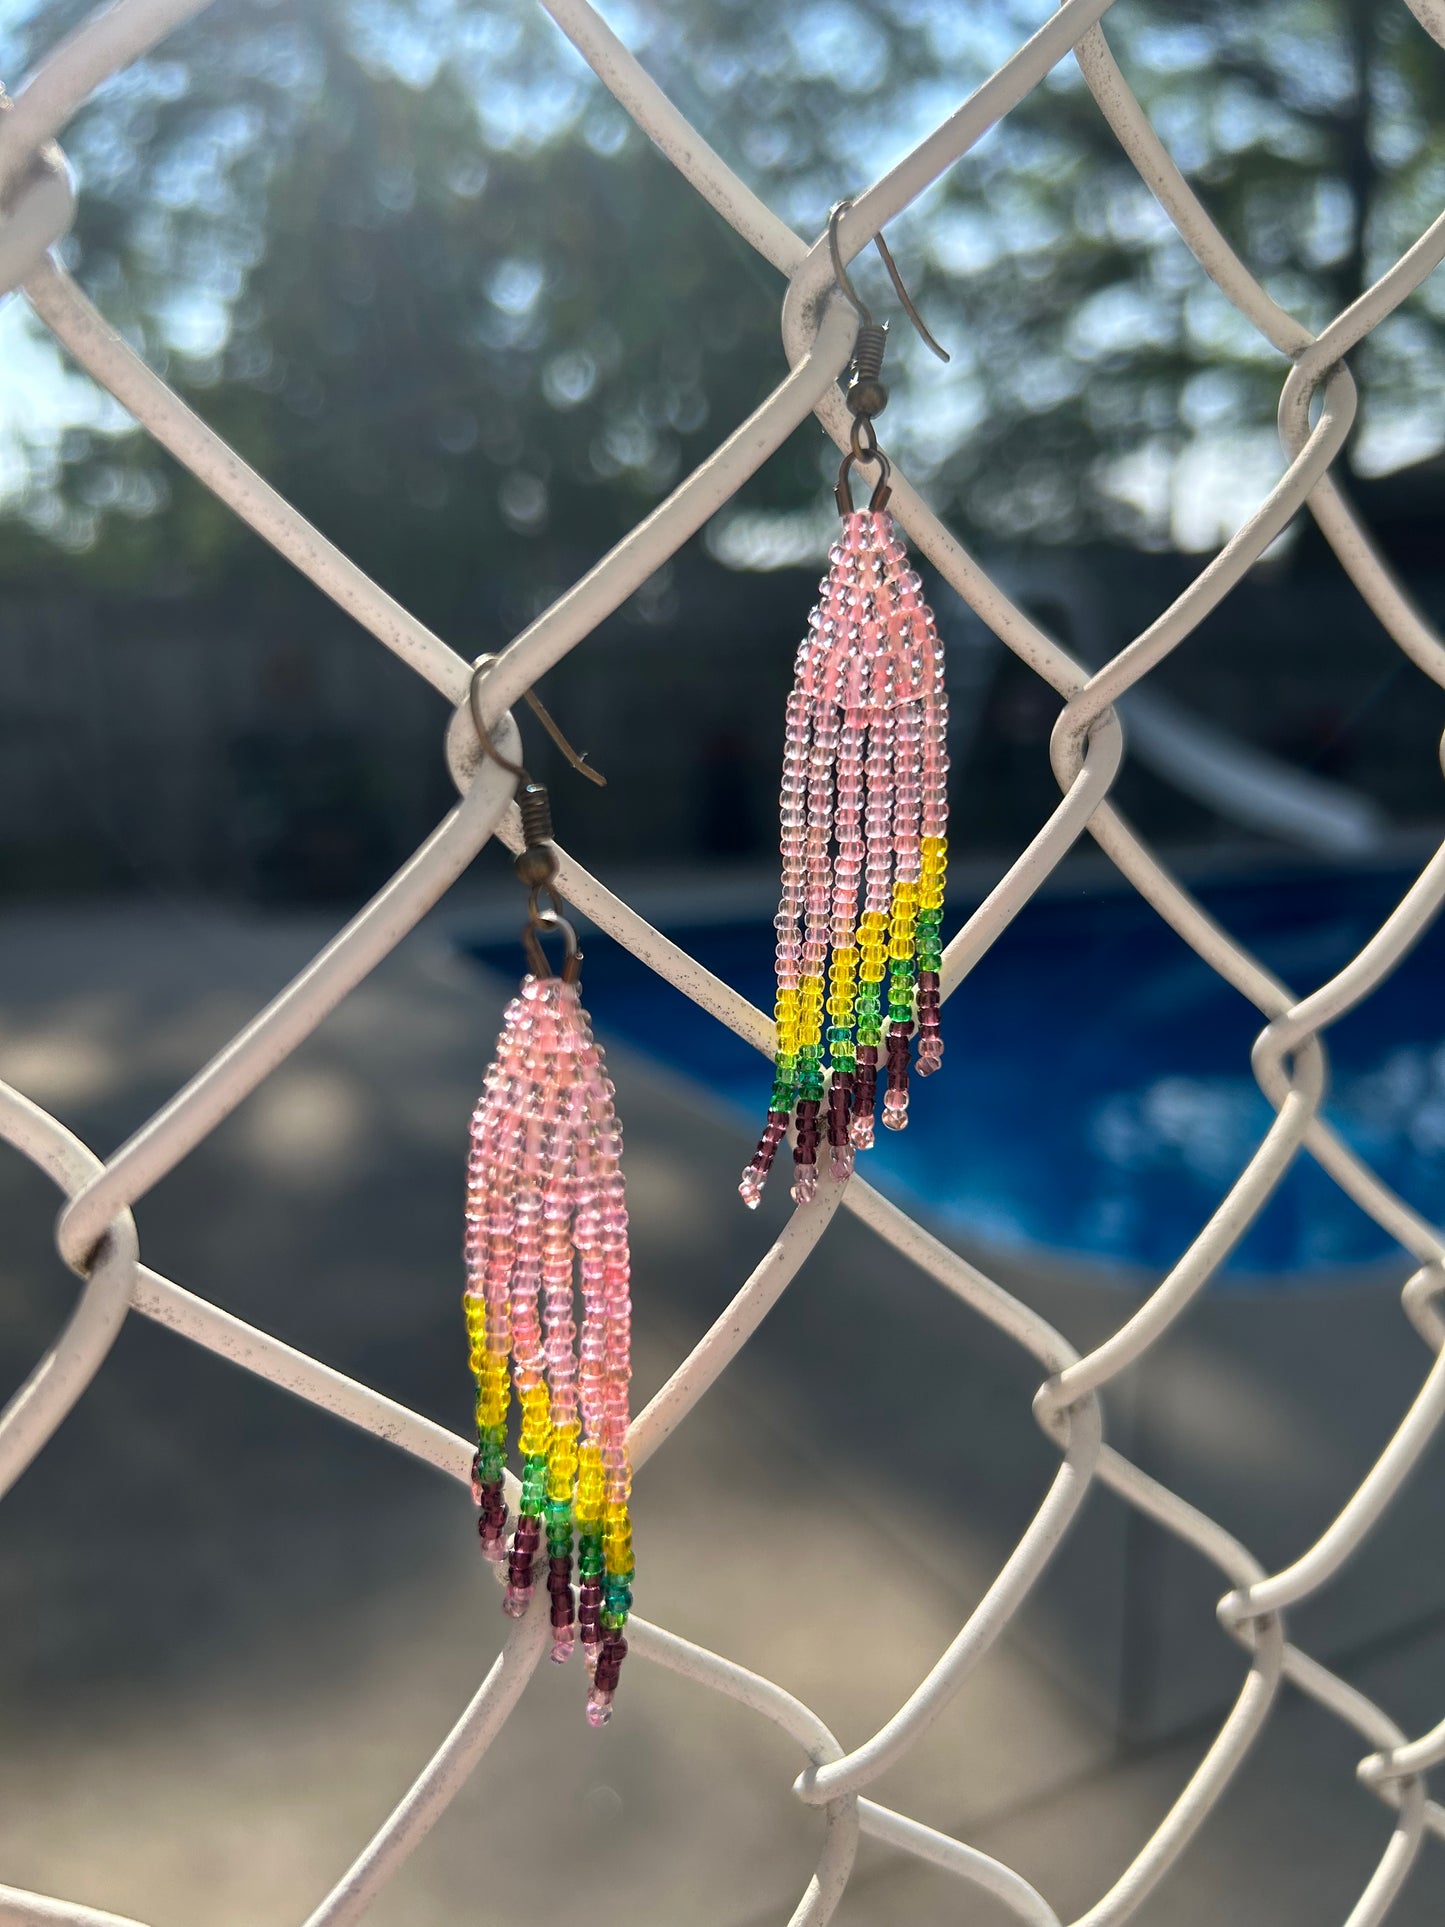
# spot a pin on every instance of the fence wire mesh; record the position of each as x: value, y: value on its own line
x: 96, y: 1234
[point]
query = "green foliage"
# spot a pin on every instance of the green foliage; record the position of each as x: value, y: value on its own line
x: 413, y: 262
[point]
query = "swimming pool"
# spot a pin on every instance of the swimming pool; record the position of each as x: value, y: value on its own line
x: 1096, y: 1098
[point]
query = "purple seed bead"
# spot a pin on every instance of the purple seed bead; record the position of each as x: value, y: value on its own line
x: 559, y: 1585
x: 609, y: 1663
x: 865, y: 1097
x: 895, y: 1100
x: 756, y: 1175
x: 805, y: 1152
x: 839, y: 1094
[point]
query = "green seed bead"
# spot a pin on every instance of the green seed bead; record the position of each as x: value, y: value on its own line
x: 839, y: 1036
x: 901, y: 970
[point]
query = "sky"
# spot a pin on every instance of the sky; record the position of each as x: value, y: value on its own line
x: 1201, y: 494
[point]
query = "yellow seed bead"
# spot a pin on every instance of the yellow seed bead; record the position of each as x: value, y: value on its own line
x: 904, y: 893
x: 590, y: 1491
x: 536, y: 1421
x: 933, y: 846
x: 933, y: 897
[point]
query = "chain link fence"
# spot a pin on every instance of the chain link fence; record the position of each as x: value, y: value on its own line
x: 96, y: 1234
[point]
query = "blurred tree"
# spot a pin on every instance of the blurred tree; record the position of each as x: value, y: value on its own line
x: 415, y: 264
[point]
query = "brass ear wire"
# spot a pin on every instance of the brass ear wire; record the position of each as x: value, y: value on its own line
x: 866, y: 394
x: 860, y: 307
x: 536, y: 864
x: 577, y: 758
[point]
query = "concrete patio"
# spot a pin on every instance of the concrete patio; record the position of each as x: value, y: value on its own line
x: 232, y: 1629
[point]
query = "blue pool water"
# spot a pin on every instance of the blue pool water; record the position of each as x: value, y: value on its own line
x: 1096, y: 1096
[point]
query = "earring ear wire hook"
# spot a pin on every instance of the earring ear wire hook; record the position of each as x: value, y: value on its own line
x: 860, y: 307
x: 577, y: 758
x: 537, y: 863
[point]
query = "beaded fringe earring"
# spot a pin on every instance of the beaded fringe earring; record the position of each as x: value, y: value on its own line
x: 864, y: 810
x: 545, y: 1200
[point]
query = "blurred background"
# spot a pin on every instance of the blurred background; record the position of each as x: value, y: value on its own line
x: 421, y: 271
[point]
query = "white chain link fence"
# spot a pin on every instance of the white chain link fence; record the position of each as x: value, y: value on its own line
x: 96, y: 1234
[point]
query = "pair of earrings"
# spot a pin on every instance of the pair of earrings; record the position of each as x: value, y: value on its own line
x: 863, y: 837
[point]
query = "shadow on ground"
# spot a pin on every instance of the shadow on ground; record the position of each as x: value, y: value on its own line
x: 232, y: 1630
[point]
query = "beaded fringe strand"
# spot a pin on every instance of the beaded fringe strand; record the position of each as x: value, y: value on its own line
x: 544, y: 1196
x: 864, y: 808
